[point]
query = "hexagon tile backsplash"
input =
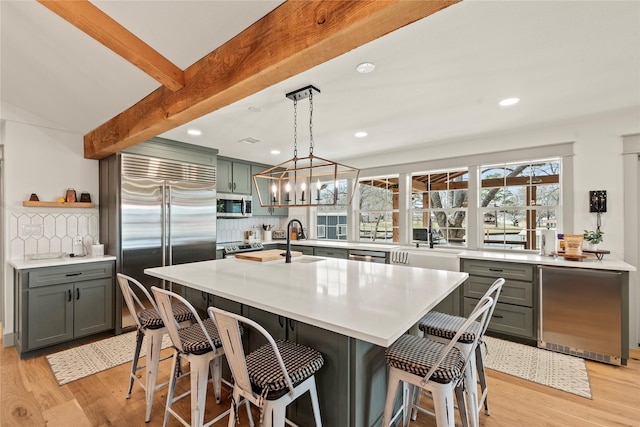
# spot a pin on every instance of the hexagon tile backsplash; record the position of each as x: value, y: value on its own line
x: 38, y: 233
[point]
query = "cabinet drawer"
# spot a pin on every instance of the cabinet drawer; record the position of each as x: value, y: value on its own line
x: 69, y: 273
x: 306, y: 250
x: 513, y: 291
x: 508, y: 319
x: 332, y: 252
x: 508, y: 270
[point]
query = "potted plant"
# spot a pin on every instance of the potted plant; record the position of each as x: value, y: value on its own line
x: 593, y: 238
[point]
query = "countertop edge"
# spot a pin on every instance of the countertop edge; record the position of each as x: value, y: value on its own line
x: 23, y: 263
x: 604, y: 264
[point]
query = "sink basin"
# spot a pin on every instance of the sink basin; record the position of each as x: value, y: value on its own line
x: 305, y: 260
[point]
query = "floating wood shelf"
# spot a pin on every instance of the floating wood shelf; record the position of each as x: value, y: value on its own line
x: 29, y: 203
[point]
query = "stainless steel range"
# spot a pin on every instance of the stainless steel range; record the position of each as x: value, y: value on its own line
x: 231, y: 249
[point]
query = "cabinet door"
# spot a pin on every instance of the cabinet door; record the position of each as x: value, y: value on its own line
x: 274, y: 324
x: 507, y: 319
x: 225, y: 176
x: 50, y: 315
x: 241, y: 178
x: 263, y: 191
x: 198, y: 299
x: 93, y: 307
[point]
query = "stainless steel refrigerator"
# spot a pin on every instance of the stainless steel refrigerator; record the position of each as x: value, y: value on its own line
x: 161, y: 212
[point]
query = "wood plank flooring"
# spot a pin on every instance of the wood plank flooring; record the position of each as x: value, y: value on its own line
x: 30, y: 396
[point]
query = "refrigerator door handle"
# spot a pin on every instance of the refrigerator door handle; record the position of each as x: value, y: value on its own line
x: 540, y: 307
x: 168, y: 225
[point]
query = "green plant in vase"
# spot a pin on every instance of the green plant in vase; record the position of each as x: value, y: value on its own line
x: 593, y: 237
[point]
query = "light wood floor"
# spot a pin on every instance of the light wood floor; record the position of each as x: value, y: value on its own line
x: 30, y: 396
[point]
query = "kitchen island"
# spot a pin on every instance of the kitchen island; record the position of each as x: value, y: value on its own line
x: 348, y: 310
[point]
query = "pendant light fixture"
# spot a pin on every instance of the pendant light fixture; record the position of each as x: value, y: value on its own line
x: 305, y: 181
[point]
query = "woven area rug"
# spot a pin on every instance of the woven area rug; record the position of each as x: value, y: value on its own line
x: 79, y: 362
x: 560, y: 371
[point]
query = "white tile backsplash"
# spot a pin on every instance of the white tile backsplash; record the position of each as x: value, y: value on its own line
x: 36, y: 233
x: 232, y: 230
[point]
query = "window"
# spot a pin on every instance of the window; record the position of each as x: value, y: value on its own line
x: 517, y: 200
x: 332, y: 225
x: 378, y: 209
x: 332, y: 220
x: 439, y: 204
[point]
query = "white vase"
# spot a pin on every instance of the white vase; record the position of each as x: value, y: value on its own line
x: 588, y: 246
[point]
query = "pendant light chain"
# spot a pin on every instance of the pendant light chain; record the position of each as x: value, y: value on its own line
x: 295, y: 128
x: 310, y: 123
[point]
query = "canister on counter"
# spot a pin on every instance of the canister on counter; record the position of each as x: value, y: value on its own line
x: 560, y: 242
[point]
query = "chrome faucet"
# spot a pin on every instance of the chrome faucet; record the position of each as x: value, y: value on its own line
x: 287, y: 256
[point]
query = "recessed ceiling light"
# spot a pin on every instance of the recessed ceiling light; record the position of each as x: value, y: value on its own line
x: 361, y: 134
x: 365, y: 67
x: 255, y: 109
x: 509, y: 101
x: 194, y: 132
x: 274, y: 152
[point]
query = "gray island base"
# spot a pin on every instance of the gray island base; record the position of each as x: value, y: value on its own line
x: 348, y: 310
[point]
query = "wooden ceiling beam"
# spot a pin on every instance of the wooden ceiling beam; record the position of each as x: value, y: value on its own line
x: 94, y: 22
x: 292, y: 38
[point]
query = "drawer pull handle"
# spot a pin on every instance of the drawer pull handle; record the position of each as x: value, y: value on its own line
x: 70, y: 295
x: 72, y: 274
x: 498, y: 316
x: 496, y: 269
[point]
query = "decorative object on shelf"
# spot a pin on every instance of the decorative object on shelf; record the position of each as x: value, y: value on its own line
x: 305, y: 181
x: 34, y: 198
x: 71, y: 195
x: 85, y: 197
x: 593, y: 238
x: 573, y: 244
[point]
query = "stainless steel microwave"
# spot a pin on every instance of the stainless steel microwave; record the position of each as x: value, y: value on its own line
x: 233, y: 205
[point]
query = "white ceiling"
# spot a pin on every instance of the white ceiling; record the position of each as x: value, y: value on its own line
x: 436, y: 80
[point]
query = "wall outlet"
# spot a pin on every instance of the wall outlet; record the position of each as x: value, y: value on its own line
x: 31, y: 229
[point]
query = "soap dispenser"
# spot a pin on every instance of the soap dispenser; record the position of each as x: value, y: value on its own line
x: 78, y: 247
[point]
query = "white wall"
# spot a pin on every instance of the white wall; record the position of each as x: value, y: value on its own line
x: 42, y: 160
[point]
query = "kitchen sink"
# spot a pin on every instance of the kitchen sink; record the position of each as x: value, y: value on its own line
x: 305, y: 260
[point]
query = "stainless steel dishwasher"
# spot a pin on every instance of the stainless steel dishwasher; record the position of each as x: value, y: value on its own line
x: 581, y: 313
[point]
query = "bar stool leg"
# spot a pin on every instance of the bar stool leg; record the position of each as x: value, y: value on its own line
x: 154, y: 346
x: 482, y: 379
x: 175, y: 369
x: 216, y: 374
x: 471, y: 383
x: 199, y: 379
x: 134, y: 363
x: 313, y: 392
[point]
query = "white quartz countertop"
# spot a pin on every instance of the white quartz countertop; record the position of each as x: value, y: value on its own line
x: 373, y: 302
x: 24, y: 263
x: 607, y: 263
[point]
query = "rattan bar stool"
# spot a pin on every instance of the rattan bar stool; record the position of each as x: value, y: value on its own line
x: 442, y: 327
x: 421, y: 363
x: 148, y: 324
x: 200, y: 345
x: 271, y: 377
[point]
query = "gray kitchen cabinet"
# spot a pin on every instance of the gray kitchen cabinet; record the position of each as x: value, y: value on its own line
x: 515, y: 311
x: 233, y: 177
x: 264, y: 191
x: 332, y: 252
x: 62, y: 303
x: 306, y: 250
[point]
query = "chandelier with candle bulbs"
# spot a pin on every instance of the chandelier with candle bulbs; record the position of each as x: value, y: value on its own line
x: 305, y: 181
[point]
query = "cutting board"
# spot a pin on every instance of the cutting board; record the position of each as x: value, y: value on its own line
x: 268, y: 255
